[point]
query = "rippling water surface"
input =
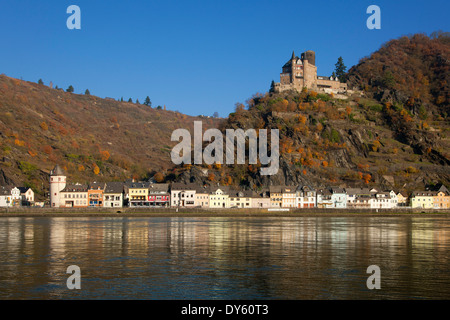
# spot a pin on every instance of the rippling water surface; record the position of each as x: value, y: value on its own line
x: 225, y: 258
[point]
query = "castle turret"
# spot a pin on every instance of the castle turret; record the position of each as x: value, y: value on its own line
x: 57, y: 183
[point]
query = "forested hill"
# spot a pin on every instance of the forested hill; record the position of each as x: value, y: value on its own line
x: 412, y: 70
x: 91, y: 138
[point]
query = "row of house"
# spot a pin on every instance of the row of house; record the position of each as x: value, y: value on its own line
x: 11, y: 196
x: 178, y: 195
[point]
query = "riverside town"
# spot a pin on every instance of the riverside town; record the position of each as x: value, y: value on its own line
x: 149, y: 194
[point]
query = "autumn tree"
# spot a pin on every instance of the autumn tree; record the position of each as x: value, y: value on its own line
x: 159, y: 177
x: 105, y: 155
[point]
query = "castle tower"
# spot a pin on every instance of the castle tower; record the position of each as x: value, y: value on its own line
x: 310, y: 56
x: 57, y: 183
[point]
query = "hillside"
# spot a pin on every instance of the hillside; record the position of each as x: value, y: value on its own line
x: 91, y: 138
x: 393, y: 134
x: 412, y: 70
x: 326, y: 141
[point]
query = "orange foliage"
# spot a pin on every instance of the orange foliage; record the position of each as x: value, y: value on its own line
x: 32, y: 153
x: 19, y: 143
x: 159, y: 177
x: 302, y: 119
x: 44, y: 126
x: 105, y: 155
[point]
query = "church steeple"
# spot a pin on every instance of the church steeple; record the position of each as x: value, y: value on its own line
x: 293, y: 55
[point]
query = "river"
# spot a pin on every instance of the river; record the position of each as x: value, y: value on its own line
x: 225, y: 257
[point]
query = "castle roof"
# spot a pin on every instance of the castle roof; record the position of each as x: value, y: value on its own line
x: 57, y: 171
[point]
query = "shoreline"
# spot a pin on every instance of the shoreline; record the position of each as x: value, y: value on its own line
x: 194, y: 213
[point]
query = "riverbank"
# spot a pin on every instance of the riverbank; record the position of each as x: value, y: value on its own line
x: 173, y: 212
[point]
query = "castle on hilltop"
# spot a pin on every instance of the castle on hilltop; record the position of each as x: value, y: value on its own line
x: 299, y: 73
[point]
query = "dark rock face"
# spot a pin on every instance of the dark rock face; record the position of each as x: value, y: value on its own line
x: 4, y: 179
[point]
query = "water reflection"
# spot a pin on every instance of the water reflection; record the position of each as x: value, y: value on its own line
x: 225, y: 258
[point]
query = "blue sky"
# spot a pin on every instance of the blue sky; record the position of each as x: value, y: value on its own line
x: 196, y: 57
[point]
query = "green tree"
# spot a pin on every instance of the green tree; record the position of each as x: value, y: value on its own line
x: 340, y: 69
x: 40, y: 81
x: 272, y: 87
x: 70, y: 89
x: 159, y: 107
x: 137, y: 101
x: 87, y: 92
x: 148, y: 102
x: 130, y: 100
x: 388, y: 79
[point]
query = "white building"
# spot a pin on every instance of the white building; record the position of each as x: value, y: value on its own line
x: 27, y: 196
x: 324, y: 199
x: 288, y: 197
x: 182, y: 195
x: 219, y: 198
x: 74, y: 196
x: 9, y: 196
x: 202, y: 197
x: 240, y: 199
x: 338, y: 197
x: 383, y: 200
x: 57, y: 184
x: 305, y: 197
x: 113, y: 195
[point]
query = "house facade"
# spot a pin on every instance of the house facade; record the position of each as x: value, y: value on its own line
x: 422, y: 199
x: 276, y: 196
x: 27, y: 196
x: 159, y: 195
x: 182, y: 195
x: 95, y: 194
x: 441, y: 199
x: 137, y: 194
x: 113, y: 195
x: 338, y: 198
x: 10, y: 196
x: 288, y: 197
x: 219, y: 199
x: 74, y: 196
x: 305, y: 197
x: 240, y: 199
x: 202, y: 197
